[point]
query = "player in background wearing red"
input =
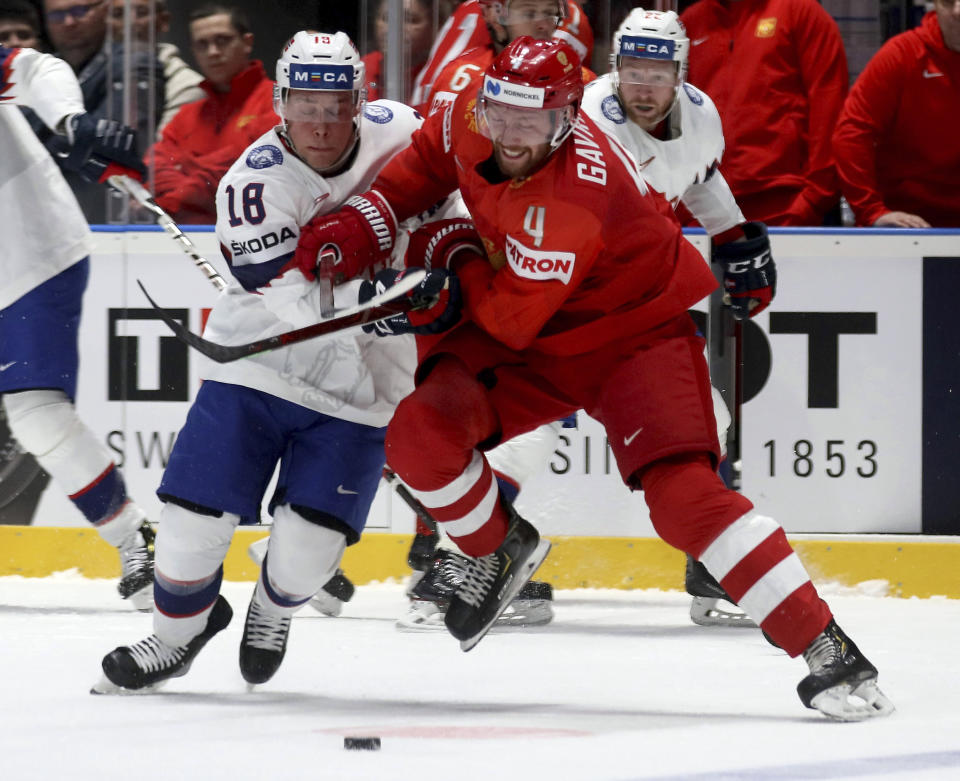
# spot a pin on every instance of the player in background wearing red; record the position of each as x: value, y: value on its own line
x: 473, y: 26
x: 578, y: 299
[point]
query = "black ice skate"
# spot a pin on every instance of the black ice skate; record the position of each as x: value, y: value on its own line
x: 147, y: 664
x: 430, y: 591
x: 710, y: 600
x: 430, y: 595
x: 264, y: 643
x: 842, y: 684
x: 491, y: 582
x: 329, y: 599
x: 136, y: 566
x: 420, y: 556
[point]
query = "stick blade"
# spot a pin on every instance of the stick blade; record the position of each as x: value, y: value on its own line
x: 215, y: 352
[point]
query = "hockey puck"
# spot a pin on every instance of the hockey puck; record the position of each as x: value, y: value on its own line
x: 361, y: 744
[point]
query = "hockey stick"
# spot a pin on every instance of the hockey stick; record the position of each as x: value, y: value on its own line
x: 141, y: 195
x: 725, y: 349
x: 381, y: 307
x: 411, y: 501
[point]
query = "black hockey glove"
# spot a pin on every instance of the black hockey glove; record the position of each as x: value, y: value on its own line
x: 749, y: 273
x: 100, y: 148
x: 437, y: 302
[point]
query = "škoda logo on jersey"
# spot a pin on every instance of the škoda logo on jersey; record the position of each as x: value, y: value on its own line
x: 538, y: 264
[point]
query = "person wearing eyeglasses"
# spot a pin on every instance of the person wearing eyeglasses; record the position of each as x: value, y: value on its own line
x: 181, y: 82
x: 204, y: 138
x: 19, y: 25
x: 78, y: 35
x: 77, y: 30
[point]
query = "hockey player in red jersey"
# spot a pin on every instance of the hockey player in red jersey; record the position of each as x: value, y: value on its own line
x: 438, y: 570
x: 579, y: 300
x: 505, y: 20
x: 467, y: 29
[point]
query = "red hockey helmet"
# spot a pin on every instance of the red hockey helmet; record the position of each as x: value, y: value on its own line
x: 532, y: 93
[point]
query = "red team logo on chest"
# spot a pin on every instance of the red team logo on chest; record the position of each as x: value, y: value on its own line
x: 539, y: 265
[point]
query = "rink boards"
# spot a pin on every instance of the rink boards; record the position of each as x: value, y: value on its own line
x: 850, y: 421
x: 877, y: 565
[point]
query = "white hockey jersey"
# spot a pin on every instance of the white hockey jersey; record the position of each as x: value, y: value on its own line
x: 262, y: 201
x: 682, y: 168
x: 44, y: 230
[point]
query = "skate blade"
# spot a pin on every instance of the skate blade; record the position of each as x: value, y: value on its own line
x: 257, y: 551
x: 706, y: 611
x: 326, y: 604
x: 106, y: 686
x: 853, y: 701
x: 523, y: 613
x: 530, y: 566
x: 422, y: 617
x: 142, y: 600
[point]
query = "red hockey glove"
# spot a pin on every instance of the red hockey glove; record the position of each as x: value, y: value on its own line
x: 749, y: 273
x: 435, y: 244
x: 359, y: 235
x: 437, y: 299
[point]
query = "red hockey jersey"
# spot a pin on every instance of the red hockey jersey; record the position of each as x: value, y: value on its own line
x: 580, y: 253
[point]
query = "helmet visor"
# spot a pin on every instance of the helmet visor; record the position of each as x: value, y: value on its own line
x: 653, y: 73
x: 515, y: 126
x: 325, y: 107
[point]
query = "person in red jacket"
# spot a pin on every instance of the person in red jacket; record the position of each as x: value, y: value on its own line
x: 777, y: 72
x: 897, y: 143
x: 575, y: 286
x: 466, y: 29
x: 204, y: 138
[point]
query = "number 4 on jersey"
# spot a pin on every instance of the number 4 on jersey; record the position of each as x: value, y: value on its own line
x: 533, y: 223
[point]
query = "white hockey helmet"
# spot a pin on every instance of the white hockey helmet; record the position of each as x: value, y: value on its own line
x: 318, y: 62
x: 652, y: 35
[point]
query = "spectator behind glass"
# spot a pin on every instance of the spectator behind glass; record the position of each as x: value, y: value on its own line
x: 898, y: 139
x: 181, y: 82
x: 777, y: 72
x: 78, y: 34
x: 417, y: 37
x: 204, y: 138
x: 19, y: 25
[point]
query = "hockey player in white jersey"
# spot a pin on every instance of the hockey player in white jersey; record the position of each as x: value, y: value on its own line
x: 44, y: 266
x: 674, y: 132
x: 319, y: 409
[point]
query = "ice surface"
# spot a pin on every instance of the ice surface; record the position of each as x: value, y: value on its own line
x: 620, y: 686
